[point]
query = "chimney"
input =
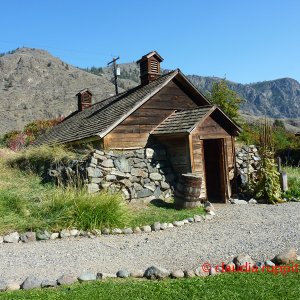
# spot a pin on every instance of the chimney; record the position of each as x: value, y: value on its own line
x: 150, y: 67
x: 84, y: 99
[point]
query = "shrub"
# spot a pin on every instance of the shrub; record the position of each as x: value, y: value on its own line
x: 267, y: 185
x: 17, y: 140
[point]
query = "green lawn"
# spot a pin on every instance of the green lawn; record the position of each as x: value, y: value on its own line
x: 228, y: 286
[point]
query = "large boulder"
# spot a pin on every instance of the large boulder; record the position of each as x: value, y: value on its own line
x: 285, y: 257
x: 243, y: 261
x: 31, y: 282
x: 156, y: 273
x: 11, y: 238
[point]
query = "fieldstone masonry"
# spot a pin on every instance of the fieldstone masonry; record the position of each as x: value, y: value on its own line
x: 143, y: 174
x: 247, y: 165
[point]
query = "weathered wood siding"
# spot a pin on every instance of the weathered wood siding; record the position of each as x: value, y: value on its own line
x: 134, y: 131
x: 210, y: 129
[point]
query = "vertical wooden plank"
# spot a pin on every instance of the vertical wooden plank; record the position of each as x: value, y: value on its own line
x: 191, y: 152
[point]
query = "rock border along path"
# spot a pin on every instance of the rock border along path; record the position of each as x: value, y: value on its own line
x: 259, y: 230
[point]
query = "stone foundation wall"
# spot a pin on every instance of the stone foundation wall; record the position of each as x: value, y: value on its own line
x: 143, y: 174
x: 247, y: 165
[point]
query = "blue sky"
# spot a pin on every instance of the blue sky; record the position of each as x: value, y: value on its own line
x: 247, y: 41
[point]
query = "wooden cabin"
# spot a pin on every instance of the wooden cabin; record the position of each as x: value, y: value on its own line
x: 168, y: 110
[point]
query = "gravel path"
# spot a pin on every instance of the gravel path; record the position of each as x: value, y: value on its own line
x: 260, y: 230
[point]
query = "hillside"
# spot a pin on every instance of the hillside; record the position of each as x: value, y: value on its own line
x: 276, y: 98
x: 36, y: 85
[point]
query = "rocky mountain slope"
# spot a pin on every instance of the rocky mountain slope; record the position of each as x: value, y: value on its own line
x: 36, y: 85
x: 276, y: 98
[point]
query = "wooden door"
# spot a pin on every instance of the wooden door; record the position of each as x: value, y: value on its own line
x: 215, y: 170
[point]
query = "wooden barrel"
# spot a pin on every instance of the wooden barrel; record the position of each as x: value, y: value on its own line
x: 188, y: 189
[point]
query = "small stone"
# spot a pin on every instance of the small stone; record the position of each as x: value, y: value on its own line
x: 150, y: 186
x: 110, y: 178
x: 54, y: 235
x: 96, y: 232
x: 149, y: 153
x: 92, y: 188
x: 146, y: 228
x: 105, y: 231
x: 143, y: 193
x: 178, y: 223
x: 105, y: 275
x: 189, y: 274
x: 259, y: 264
x: 28, y: 237
x: 31, y: 282
x: 108, y: 163
x: 137, y: 274
x: 13, y: 286
x: 163, y: 226
x: 94, y: 161
x: 213, y: 271
x: 298, y: 257
x: 155, y: 176
x: 124, y: 273
x: 155, y: 226
x: 87, y: 277
x: 1, y: 239
x: 96, y: 180
x: 230, y: 267
x: 190, y: 220
x: 65, y: 233
x: 48, y: 283
x: 286, y: 257
x: 116, y: 231
x: 137, y: 230
x: 3, y: 286
x: 170, y: 225
x: 11, y: 238
x: 139, y: 172
x: 198, y: 218
x: 185, y: 221
x: 164, y: 185
x: 269, y: 263
x: 74, y: 232
x: 211, y: 213
x: 127, y: 230
x: 155, y: 272
x: 238, y: 201
x: 177, y: 274
x: 66, y: 280
x: 252, y: 201
x: 200, y: 272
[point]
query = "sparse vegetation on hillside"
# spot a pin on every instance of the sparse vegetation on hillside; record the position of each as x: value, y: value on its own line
x: 17, y: 139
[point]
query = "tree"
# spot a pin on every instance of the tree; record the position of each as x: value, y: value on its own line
x: 228, y: 100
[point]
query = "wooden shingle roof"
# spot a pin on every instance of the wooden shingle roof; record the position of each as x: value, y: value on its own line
x: 182, y: 121
x: 99, y: 119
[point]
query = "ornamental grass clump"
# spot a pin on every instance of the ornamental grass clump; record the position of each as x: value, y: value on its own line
x: 69, y: 207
